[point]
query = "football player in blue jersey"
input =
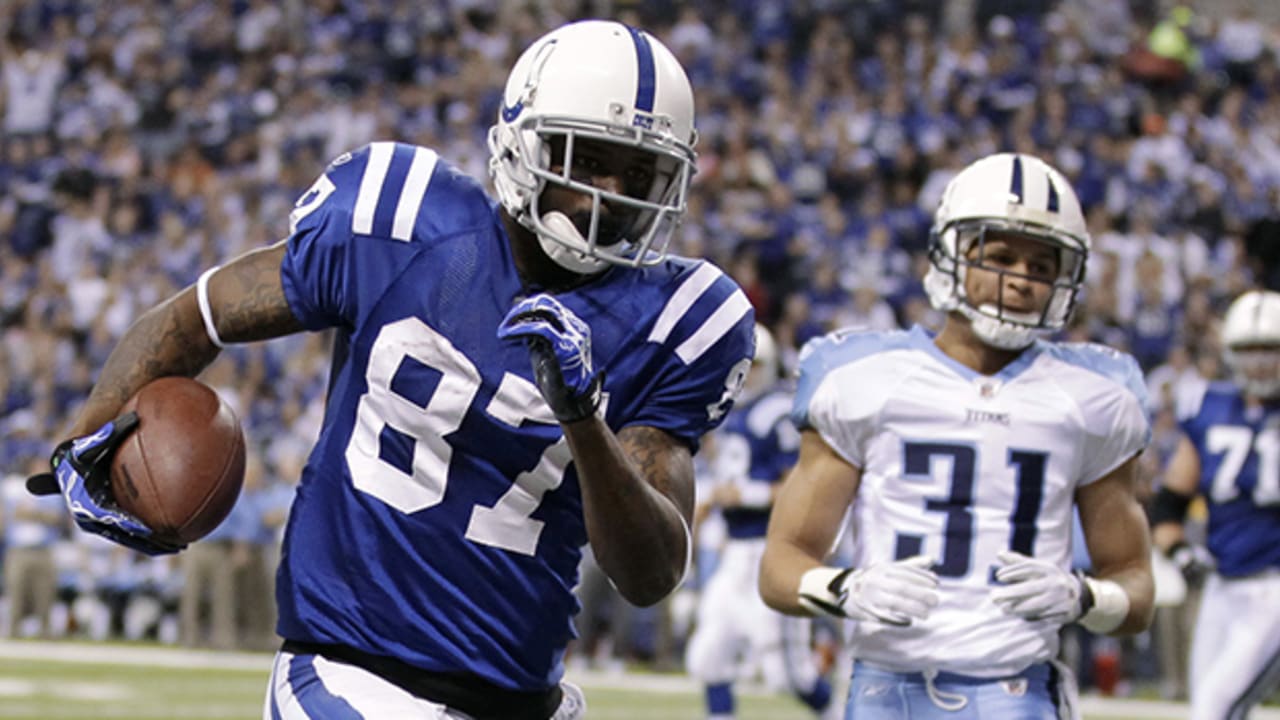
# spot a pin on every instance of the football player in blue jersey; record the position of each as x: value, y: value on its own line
x: 1230, y: 455
x: 511, y: 379
x: 755, y: 448
x: 961, y: 457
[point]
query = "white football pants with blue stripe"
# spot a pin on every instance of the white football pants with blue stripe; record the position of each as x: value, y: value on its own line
x: 1235, y: 653
x: 734, y: 625
x: 311, y: 687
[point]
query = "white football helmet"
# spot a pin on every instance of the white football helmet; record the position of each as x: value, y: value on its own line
x: 1251, y: 342
x: 598, y: 80
x: 1014, y: 193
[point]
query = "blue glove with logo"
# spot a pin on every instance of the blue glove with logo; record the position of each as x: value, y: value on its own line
x: 559, y: 345
x: 82, y: 474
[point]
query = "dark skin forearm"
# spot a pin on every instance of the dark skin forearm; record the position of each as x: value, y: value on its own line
x: 637, y: 499
x: 170, y: 339
x: 167, y: 340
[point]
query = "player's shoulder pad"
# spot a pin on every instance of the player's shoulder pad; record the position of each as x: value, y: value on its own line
x: 823, y: 354
x: 701, y: 306
x: 382, y: 189
x: 1119, y: 367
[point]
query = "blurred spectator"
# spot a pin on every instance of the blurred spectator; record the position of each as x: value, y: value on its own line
x: 31, y: 525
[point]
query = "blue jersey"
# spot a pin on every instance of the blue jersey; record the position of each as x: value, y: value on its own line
x: 1239, y: 449
x: 756, y: 446
x: 438, y: 520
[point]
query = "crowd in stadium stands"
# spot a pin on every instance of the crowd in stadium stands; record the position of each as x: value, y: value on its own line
x: 142, y: 141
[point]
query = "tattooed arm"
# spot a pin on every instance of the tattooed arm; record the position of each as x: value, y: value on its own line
x: 246, y: 301
x: 637, y: 498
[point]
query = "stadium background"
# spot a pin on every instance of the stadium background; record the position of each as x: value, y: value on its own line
x: 145, y: 140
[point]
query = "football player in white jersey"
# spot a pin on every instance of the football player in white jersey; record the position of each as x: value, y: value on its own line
x: 1230, y: 454
x: 963, y: 456
x: 755, y: 448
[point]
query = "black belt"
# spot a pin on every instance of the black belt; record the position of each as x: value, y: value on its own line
x: 469, y: 693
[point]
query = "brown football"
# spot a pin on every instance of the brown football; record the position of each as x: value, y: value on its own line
x: 181, y: 469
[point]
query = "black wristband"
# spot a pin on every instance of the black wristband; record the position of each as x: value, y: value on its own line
x: 1169, y: 506
x: 1087, y: 601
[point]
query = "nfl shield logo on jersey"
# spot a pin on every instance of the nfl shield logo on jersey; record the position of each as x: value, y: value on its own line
x: 1017, y: 687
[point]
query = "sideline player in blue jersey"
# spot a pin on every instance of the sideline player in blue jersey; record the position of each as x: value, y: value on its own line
x: 962, y: 457
x: 1230, y: 454
x: 511, y: 379
x: 755, y: 448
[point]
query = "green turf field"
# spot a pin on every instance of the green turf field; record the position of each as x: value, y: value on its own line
x: 75, y: 681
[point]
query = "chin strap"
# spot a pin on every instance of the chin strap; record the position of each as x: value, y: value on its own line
x: 997, y: 333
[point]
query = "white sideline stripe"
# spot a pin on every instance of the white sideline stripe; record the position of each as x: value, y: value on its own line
x: 415, y: 186
x: 733, y: 309
x: 375, y: 173
x: 91, y: 653
x: 682, y: 299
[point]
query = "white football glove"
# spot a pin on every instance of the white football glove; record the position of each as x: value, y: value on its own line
x: 1037, y: 589
x: 896, y: 593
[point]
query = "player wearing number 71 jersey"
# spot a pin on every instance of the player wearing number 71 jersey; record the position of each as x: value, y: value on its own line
x: 963, y: 456
x: 1230, y: 454
x: 511, y: 379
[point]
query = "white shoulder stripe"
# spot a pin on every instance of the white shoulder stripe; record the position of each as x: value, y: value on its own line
x: 415, y: 186
x: 682, y: 299
x: 375, y: 173
x: 717, y: 326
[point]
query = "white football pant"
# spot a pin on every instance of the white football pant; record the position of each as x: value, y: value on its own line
x: 1235, y: 653
x: 734, y: 625
x: 312, y: 687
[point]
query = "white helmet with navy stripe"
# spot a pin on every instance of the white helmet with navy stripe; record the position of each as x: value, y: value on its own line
x: 1251, y: 342
x: 598, y: 80
x: 1015, y: 193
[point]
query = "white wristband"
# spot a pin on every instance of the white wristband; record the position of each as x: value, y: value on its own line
x: 815, y: 591
x: 206, y: 313
x: 1110, y: 606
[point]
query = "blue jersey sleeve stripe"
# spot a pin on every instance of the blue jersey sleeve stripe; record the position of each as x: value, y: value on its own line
x: 733, y: 309
x: 375, y: 174
x: 682, y: 299
x: 415, y: 187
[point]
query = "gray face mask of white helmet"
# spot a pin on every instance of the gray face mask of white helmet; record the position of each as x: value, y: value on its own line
x: 993, y: 323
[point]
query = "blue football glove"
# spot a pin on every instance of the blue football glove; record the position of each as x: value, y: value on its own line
x: 560, y: 349
x: 82, y: 474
